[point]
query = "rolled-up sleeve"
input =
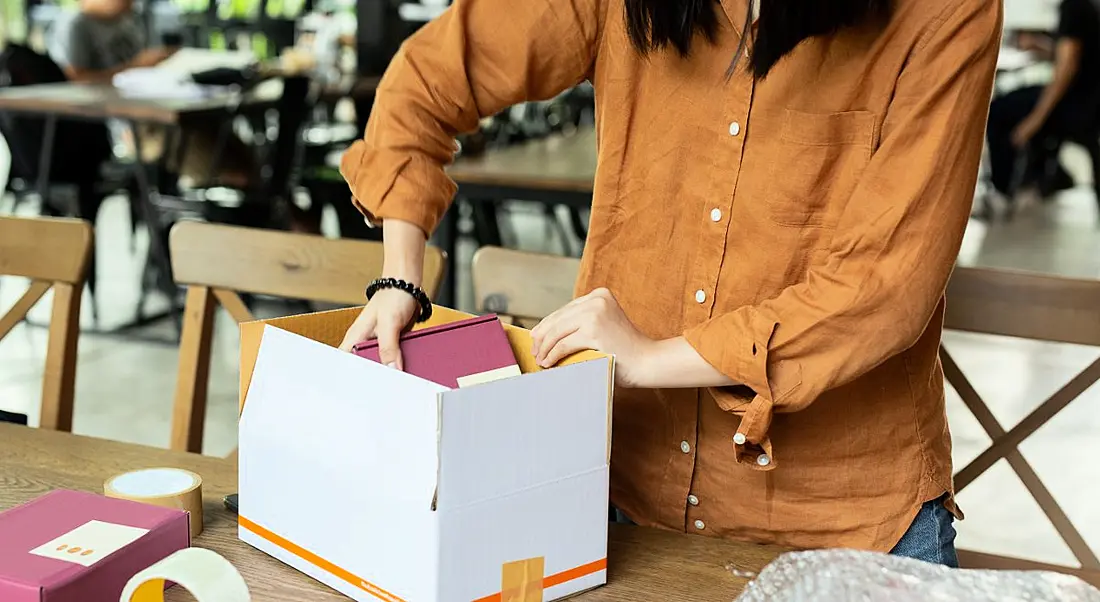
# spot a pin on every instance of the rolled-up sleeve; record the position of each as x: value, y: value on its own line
x: 477, y: 58
x: 873, y: 294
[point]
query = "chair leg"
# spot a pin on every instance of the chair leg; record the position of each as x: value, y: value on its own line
x: 579, y: 227
x: 550, y: 212
x: 189, y: 410
x: 1019, y: 173
x: 89, y: 202
x: 59, y: 384
x: 1094, y: 154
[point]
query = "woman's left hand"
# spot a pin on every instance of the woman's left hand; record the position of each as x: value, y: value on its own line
x: 594, y: 321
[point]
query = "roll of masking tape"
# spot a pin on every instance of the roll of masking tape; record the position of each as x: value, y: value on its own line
x: 208, y: 576
x: 164, y: 487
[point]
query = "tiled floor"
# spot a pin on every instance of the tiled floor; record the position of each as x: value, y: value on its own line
x: 124, y: 388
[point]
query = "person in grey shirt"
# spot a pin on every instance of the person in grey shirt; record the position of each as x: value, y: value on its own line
x: 105, y: 38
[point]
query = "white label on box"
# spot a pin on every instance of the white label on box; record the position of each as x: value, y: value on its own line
x: 488, y: 376
x: 89, y: 543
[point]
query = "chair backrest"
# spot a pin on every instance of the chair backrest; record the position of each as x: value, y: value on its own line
x: 1030, y: 306
x: 53, y: 253
x: 522, y: 286
x: 217, y: 262
x: 1024, y: 305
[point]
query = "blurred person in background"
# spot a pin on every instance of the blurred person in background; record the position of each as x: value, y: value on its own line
x: 1036, y: 118
x: 107, y: 37
x: 779, y: 200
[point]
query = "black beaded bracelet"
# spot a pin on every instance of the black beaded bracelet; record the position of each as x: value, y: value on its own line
x: 410, y: 288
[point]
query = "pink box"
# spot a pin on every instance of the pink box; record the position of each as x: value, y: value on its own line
x: 448, y: 352
x: 70, y: 546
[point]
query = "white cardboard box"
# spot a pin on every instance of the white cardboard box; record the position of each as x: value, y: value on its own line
x: 389, y: 487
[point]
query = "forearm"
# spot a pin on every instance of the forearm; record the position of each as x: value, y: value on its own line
x: 89, y: 76
x: 1053, y: 93
x: 458, y: 68
x: 674, y: 364
x: 403, y: 245
x: 1066, y: 64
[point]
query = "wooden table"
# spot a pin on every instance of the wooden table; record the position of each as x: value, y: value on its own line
x: 355, y: 87
x: 556, y: 170
x: 643, y: 564
x: 100, y: 102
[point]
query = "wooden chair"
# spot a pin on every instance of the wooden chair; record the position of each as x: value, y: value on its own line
x: 216, y: 262
x: 1030, y: 306
x: 522, y: 287
x: 53, y: 253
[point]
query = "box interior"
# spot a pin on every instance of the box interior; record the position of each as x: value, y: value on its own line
x: 328, y: 327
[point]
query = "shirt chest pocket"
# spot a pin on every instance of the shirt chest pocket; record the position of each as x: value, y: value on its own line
x: 816, y: 166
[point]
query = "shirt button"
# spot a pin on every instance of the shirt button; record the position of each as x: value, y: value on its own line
x: 700, y: 296
x: 763, y: 460
x: 715, y: 214
x: 685, y: 447
x: 694, y: 501
x: 739, y: 438
x: 700, y: 525
x: 735, y: 128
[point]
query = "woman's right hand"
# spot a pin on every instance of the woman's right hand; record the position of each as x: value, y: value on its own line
x: 391, y: 311
x: 385, y: 317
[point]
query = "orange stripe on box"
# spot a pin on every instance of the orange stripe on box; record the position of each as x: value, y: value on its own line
x: 575, y: 573
x: 559, y: 578
x: 317, y: 561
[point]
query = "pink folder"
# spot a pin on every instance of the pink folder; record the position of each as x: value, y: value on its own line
x: 443, y: 354
x: 28, y: 576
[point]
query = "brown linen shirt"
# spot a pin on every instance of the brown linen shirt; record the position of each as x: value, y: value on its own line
x: 799, y: 231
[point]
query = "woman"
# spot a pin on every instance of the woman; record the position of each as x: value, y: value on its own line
x: 774, y: 220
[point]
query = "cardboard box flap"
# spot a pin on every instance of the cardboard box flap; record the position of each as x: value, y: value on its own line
x: 326, y: 416
x: 517, y: 434
x: 326, y: 327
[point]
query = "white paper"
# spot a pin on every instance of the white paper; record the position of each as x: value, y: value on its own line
x: 89, y: 543
x: 196, y: 60
x: 488, y: 376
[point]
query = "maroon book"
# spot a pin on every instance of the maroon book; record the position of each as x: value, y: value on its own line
x: 457, y: 354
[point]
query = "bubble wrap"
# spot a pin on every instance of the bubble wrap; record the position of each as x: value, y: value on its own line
x: 854, y: 576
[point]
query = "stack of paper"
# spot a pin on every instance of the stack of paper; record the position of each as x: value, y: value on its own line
x: 171, y: 79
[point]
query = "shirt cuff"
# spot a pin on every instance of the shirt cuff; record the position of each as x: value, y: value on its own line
x: 738, y: 345
x: 392, y: 186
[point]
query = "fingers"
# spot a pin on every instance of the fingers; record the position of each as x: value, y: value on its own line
x: 564, y: 348
x: 389, y: 347
x: 555, y: 327
x: 540, y: 331
x: 552, y: 338
x: 361, y: 330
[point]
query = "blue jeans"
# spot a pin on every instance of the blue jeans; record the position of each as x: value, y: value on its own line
x: 930, y: 537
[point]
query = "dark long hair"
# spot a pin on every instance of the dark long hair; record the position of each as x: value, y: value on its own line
x: 783, y: 24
